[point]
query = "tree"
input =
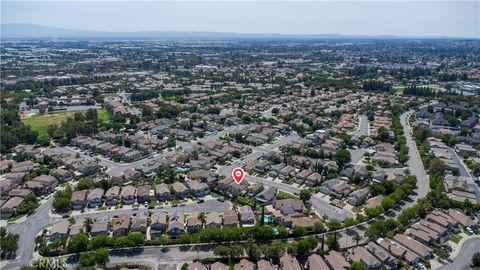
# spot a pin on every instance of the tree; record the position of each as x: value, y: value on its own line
x: 342, y: 157
x: 253, y: 252
x: 436, y: 166
x: 334, y: 224
x: 357, y: 266
x: 476, y: 259
x: 357, y: 238
x: 349, y: 222
x: 61, y: 204
x: 185, y: 238
x: 332, y: 241
x: 305, y: 195
x: 318, y: 227
x: 282, y: 232
x: 221, y: 251
x: 299, y: 231
x: 78, y: 243
x: 383, y: 134
x: 8, y: 242
x: 275, y: 250
x: 88, y: 224
x: 374, y: 212
x: 236, y: 251
x: 101, y: 256
x: 91, y: 115
x: 202, y: 217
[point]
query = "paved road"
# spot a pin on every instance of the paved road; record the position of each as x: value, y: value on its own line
x: 27, y: 230
x: 464, y: 257
x: 114, y: 167
x: 356, y: 154
x: 164, y: 257
x: 211, y: 205
x: 320, y: 206
x: 414, y: 162
x: 362, y: 127
x: 41, y: 219
x: 462, y: 170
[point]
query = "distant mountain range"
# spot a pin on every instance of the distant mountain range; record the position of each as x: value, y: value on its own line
x: 28, y: 31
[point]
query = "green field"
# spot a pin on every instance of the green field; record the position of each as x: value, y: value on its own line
x: 40, y: 122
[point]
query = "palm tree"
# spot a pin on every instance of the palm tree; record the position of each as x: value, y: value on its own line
x: 202, y: 217
x: 88, y: 224
x: 357, y: 238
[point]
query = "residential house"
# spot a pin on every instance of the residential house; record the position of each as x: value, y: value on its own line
x: 143, y: 193
x: 219, y: 266
x: 100, y: 227
x: 62, y: 175
x: 139, y: 222
x: 128, y: 195
x: 22, y: 193
x: 230, y: 219
x: 286, y: 173
x: 247, y: 217
x: 112, y: 195
x: 417, y: 248
x: 213, y: 220
x: 94, y: 197
x: 288, y: 206
x: 194, y: 224
x: 121, y: 225
x: 59, y: 231
x: 387, y: 260
x: 336, y: 261
x: 162, y: 192
x: 361, y: 254
x: 266, y: 196
x: 11, y: 207
x: 176, y: 225
x: 313, y: 179
x: 198, y: 189
x: 398, y: 251
x: 79, y: 199
x: 180, y: 190
x: 316, y: 262
x: 288, y: 262
x: 265, y: 265
x: 244, y: 265
x: 358, y: 197
x: 196, y: 266
x: 158, y: 223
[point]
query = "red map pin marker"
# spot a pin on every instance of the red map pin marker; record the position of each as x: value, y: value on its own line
x: 238, y: 174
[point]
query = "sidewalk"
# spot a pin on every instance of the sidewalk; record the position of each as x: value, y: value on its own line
x: 460, y: 245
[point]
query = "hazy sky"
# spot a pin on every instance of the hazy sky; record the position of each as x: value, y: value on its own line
x: 406, y: 18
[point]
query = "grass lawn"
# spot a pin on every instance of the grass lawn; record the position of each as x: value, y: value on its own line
x: 40, y: 122
x: 245, y: 201
x: 103, y: 115
x: 14, y: 219
x: 285, y: 195
x: 455, y: 237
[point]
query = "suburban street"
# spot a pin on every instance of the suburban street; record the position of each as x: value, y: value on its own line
x: 464, y: 257
x: 320, y: 206
x: 414, y: 162
x: 362, y: 127
x: 28, y: 230
x: 42, y: 219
